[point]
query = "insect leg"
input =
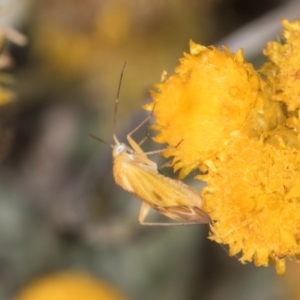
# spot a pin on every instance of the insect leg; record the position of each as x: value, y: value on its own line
x: 130, y: 140
x: 167, y: 224
x: 162, y: 150
x: 145, y: 208
x: 144, y: 139
x: 166, y: 165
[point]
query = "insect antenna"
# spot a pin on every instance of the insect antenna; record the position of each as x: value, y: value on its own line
x: 100, y: 140
x: 116, y: 105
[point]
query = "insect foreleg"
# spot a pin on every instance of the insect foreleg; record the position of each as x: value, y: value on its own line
x: 144, y: 139
x: 132, y: 143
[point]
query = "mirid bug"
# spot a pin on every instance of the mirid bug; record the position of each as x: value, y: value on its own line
x: 139, y: 176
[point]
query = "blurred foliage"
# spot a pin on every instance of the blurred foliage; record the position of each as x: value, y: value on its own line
x: 59, y: 206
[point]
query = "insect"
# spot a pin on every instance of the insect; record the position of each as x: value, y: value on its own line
x: 139, y: 176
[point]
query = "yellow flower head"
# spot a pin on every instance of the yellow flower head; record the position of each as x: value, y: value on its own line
x: 254, y: 198
x: 69, y: 286
x: 221, y: 116
x: 206, y: 102
x: 286, y: 59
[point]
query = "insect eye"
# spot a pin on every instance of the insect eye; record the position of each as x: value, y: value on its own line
x: 119, y: 149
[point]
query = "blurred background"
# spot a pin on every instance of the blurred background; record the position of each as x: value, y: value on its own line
x: 60, y: 209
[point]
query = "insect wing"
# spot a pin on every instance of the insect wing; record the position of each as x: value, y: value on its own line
x: 170, y: 197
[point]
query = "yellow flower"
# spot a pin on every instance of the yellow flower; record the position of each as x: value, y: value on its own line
x: 211, y: 89
x: 224, y: 118
x: 254, y: 198
x: 69, y: 286
x: 286, y: 65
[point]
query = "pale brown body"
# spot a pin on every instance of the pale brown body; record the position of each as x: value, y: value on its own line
x: 138, y: 175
